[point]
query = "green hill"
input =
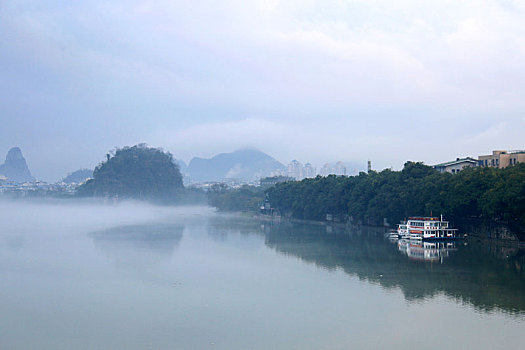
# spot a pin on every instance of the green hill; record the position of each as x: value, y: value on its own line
x: 138, y: 172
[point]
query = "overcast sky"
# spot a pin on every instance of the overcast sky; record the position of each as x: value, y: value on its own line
x: 312, y: 80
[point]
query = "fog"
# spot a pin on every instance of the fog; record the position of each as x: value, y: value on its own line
x: 77, y: 217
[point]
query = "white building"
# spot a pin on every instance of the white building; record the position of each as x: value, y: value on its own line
x: 340, y: 169
x: 457, y: 165
x: 309, y: 171
x: 295, y: 170
x: 337, y: 169
x: 325, y: 170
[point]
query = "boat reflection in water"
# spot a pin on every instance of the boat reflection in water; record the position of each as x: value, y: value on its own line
x: 426, y: 251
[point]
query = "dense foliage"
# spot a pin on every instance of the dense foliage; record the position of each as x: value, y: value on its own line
x: 246, y: 198
x: 138, y: 172
x: 416, y: 190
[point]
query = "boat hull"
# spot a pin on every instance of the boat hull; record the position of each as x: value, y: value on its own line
x: 441, y: 239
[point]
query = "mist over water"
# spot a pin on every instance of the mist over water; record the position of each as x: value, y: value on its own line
x: 81, y: 216
x: 90, y: 275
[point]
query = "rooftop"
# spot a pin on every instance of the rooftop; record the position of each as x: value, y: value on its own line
x: 457, y: 161
x: 424, y: 218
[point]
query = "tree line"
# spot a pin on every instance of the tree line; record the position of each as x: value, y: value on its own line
x: 246, y: 198
x: 369, y: 198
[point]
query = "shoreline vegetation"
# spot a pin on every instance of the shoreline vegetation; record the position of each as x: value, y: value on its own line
x: 489, y: 197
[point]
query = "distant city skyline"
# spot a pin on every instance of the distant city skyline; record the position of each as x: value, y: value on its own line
x: 315, y: 81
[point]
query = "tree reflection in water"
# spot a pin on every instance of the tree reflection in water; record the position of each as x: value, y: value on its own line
x: 487, y: 276
x: 139, y: 245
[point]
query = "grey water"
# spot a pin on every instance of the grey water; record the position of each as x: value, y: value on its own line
x: 134, y: 276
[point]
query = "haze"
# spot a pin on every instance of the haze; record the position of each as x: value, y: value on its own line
x: 59, y: 216
x: 309, y: 80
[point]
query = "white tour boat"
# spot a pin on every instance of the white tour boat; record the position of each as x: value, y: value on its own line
x: 402, y: 231
x: 426, y: 228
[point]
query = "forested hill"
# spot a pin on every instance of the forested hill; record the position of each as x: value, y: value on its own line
x: 139, y: 172
x: 418, y: 189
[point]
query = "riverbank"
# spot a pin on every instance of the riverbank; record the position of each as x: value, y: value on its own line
x: 498, y: 232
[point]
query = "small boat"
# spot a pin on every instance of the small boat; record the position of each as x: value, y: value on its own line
x: 426, y: 228
x: 392, y: 235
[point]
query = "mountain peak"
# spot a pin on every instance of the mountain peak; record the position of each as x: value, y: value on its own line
x: 244, y: 164
x: 15, y: 167
x: 14, y: 154
x: 247, y: 150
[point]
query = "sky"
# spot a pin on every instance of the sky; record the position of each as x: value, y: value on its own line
x: 313, y: 80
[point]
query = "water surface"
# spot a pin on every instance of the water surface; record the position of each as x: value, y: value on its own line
x: 131, y: 276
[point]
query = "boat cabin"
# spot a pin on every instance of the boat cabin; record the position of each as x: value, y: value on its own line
x: 426, y: 228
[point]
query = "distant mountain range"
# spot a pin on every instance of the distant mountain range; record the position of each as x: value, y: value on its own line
x: 78, y: 176
x: 15, y: 167
x: 244, y: 164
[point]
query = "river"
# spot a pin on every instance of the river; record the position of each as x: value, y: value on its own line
x: 134, y: 276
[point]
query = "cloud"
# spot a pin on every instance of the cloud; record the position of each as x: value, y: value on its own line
x: 208, y: 139
x: 402, y: 52
x: 311, y: 79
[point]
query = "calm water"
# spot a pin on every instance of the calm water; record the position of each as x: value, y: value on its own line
x: 139, y: 277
